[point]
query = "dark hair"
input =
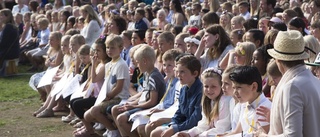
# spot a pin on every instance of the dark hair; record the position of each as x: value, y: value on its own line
x: 178, y: 29
x: 77, y: 1
x: 190, y: 62
x: 298, y: 11
x: 275, y: 11
x: 272, y: 2
x: 141, y: 33
x: 281, y: 26
x: 264, y: 54
x: 205, y: 10
x: 72, y: 19
x: 121, y: 23
x: 102, y: 43
x: 67, y: 14
x: 250, y: 24
x: 243, y: 3
x: 33, y: 5
x: 298, y: 23
x: 257, y: 35
x: 149, y: 11
x: 220, y: 44
x: 246, y: 75
x: 211, y: 18
x: 177, y: 6
x: 141, y: 11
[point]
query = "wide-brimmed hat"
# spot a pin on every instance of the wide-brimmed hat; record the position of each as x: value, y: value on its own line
x: 289, y: 46
x: 316, y: 61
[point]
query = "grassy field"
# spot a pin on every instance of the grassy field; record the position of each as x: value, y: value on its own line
x: 17, y: 103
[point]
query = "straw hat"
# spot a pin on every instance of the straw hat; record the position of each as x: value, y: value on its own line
x: 316, y: 61
x: 289, y: 46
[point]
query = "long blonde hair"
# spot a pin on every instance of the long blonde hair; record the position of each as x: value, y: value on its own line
x: 92, y: 15
x: 211, y: 112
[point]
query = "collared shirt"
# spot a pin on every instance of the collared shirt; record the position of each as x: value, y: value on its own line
x: 141, y: 25
x: 189, y: 111
x: 249, y: 117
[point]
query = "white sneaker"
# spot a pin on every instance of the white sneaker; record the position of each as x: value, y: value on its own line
x: 99, y: 126
x: 112, y: 133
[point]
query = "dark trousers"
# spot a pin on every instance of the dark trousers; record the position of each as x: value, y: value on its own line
x: 81, y: 105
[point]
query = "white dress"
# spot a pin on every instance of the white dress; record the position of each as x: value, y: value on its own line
x: 91, y: 32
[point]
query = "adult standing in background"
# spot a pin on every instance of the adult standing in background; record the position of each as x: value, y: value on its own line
x: 295, y: 107
x: 9, y: 38
x: 92, y: 27
x: 20, y: 8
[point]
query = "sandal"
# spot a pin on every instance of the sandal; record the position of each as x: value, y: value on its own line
x: 78, y: 125
x: 74, y: 121
x: 38, y: 111
x: 67, y: 119
x: 45, y: 113
x: 84, y: 133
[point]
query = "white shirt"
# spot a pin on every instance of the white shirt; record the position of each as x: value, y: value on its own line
x: 44, y: 36
x: 207, y: 63
x: 246, y: 16
x: 220, y: 124
x: 235, y: 110
x: 23, y: 10
x: 195, y: 20
x: 91, y: 32
x: 248, y: 115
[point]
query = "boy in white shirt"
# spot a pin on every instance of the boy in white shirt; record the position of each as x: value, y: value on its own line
x: 247, y: 85
x: 195, y: 18
x: 244, y: 10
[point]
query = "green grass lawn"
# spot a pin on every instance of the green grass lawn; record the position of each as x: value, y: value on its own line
x: 16, y: 88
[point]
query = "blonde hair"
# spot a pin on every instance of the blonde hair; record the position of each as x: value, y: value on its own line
x: 312, y: 43
x: 92, y: 15
x: 145, y: 51
x: 246, y: 49
x: 78, y: 38
x: 43, y: 21
x: 65, y: 38
x: 214, y: 5
x: 115, y: 40
x: 211, y: 112
x: 238, y: 19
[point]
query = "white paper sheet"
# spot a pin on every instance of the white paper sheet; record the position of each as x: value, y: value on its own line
x: 79, y: 93
x: 69, y: 78
x: 167, y: 113
x: 48, y: 76
x: 139, y: 121
x: 59, y: 85
x: 73, y: 86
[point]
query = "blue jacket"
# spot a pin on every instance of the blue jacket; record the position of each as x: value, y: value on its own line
x: 189, y: 111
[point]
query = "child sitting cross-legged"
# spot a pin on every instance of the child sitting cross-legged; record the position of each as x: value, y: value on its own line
x: 152, y: 92
x: 189, y: 111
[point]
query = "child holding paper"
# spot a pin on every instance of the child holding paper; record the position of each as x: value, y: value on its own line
x: 54, y: 58
x: 114, y: 89
x: 82, y: 103
x: 215, y: 107
x: 247, y: 85
x: 189, y: 112
x: 153, y: 90
x: 85, y: 59
x: 171, y: 94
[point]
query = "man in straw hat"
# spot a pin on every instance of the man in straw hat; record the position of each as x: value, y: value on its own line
x: 295, y: 108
